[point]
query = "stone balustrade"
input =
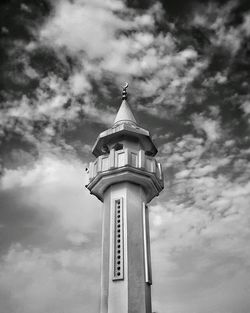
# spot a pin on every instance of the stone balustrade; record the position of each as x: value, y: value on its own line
x: 125, y: 158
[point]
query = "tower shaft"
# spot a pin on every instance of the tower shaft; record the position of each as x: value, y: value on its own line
x: 126, y: 272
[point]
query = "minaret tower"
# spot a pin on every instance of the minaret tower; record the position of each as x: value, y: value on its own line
x: 125, y: 176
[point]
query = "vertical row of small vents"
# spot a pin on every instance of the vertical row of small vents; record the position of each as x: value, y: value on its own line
x: 118, y: 241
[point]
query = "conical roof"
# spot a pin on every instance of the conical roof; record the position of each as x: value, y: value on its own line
x: 125, y: 124
x: 125, y: 114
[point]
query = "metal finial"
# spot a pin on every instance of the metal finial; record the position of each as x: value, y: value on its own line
x: 124, y: 92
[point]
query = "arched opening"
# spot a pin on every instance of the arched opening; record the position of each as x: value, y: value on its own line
x: 118, y: 146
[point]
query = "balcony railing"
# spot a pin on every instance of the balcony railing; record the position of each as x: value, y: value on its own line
x: 123, y: 158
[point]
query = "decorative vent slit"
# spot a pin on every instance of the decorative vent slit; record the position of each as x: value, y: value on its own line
x: 118, y: 271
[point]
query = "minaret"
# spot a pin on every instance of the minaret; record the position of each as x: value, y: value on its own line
x: 125, y: 176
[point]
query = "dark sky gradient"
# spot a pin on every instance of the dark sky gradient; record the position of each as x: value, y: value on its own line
x: 62, y: 67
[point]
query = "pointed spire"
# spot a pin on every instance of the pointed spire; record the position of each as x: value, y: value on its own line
x: 125, y: 114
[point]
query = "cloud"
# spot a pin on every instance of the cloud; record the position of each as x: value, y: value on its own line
x: 219, y: 78
x: 61, y: 281
x: 199, y: 237
x: 55, y: 104
x: 210, y: 126
x: 56, y: 184
x: 167, y: 70
x: 79, y: 83
x: 246, y: 24
x: 199, y: 225
x: 222, y: 34
x: 100, y: 31
x: 25, y: 8
x: 195, y: 257
x: 93, y: 26
x: 112, y: 43
x: 186, y: 149
x: 246, y: 107
x: 205, y: 205
x: 168, y: 83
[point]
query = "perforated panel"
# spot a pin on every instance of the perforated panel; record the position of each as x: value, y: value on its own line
x: 118, y: 240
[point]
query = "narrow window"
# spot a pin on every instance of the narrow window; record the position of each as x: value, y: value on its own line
x: 105, y: 163
x: 133, y: 159
x: 120, y: 159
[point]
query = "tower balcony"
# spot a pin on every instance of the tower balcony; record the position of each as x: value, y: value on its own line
x: 125, y: 165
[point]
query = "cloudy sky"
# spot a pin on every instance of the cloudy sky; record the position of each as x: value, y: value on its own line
x: 62, y: 66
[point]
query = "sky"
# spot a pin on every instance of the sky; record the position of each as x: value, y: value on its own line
x: 62, y: 67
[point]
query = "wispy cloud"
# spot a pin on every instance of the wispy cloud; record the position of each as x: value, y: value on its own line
x: 35, y: 280
x: 56, y: 184
x: 93, y: 25
x: 211, y: 127
x: 222, y: 33
x: 189, y: 83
